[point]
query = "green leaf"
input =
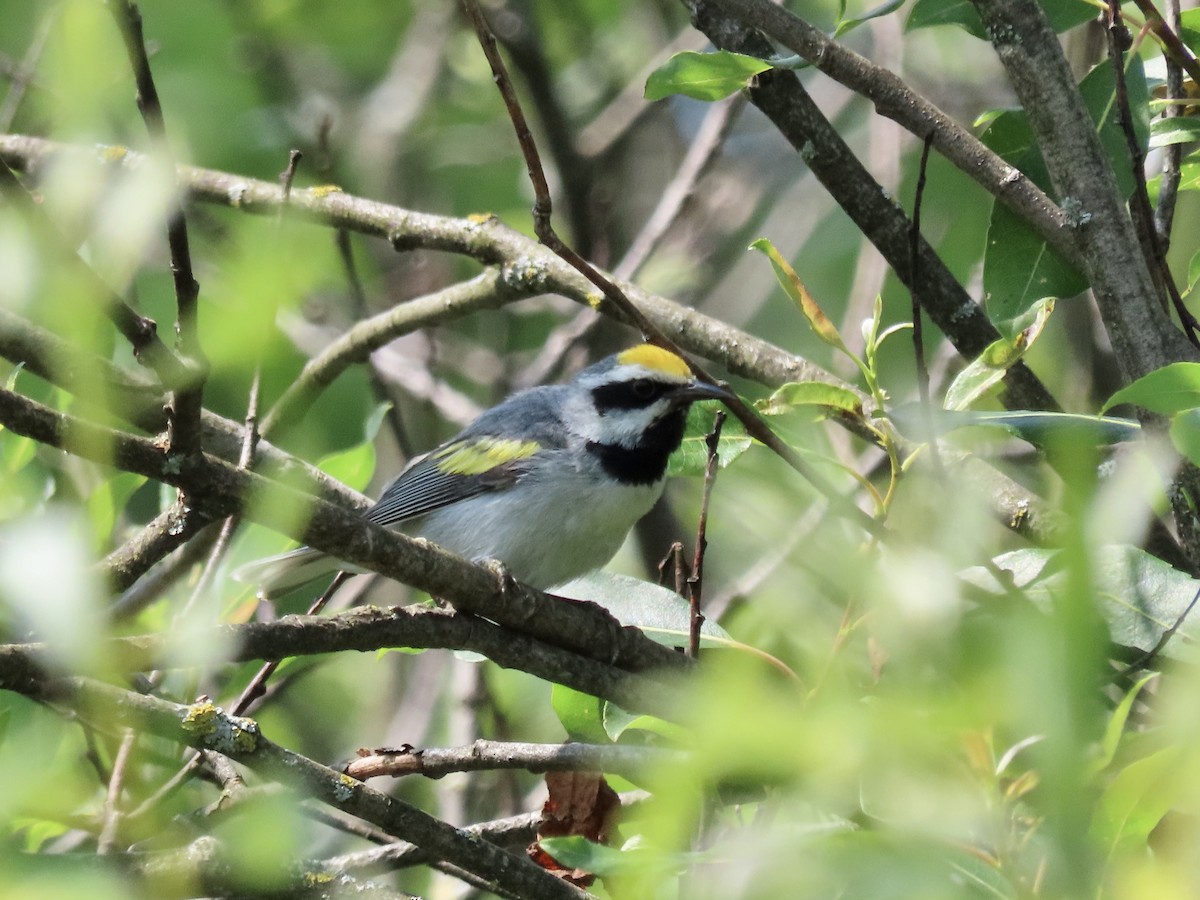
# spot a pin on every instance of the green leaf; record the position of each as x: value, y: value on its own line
x: 1116, y: 724
x: 1136, y: 800
x: 691, y: 458
x: 1175, y: 130
x: 1063, y: 14
x: 582, y: 715
x: 1193, y: 272
x: 1185, y: 434
x: 988, y: 369
x: 1189, y: 180
x: 1166, y: 391
x: 355, y: 465
x: 618, y: 722
x: 1019, y: 266
x: 791, y: 283
x: 577, y: 852
x: 799, y: 394
x: 1042, y: 429
x: 661, y: 613
x: 1139, y: 596
x: 703, y: 76
x: 850, y: 24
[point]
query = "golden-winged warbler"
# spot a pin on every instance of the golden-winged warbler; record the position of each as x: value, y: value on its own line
x: 549, y: 482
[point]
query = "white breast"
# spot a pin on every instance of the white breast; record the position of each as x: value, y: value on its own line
x: 545, y: 534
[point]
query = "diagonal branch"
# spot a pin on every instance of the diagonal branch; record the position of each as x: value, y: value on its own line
x: 781, y: 96
x: 900, y: 103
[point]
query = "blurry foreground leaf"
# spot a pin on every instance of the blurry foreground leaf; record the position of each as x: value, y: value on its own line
x: 1042, y: 429
x: 1139, y: 596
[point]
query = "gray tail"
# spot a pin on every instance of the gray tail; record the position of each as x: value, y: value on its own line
x: 279, y: 574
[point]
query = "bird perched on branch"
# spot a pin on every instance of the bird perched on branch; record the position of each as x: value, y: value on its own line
x: 549, y: 482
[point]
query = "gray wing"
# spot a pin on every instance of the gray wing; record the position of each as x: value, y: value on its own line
x: 432, y: 481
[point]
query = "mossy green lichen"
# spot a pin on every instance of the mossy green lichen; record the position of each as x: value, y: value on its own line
x: 230, y: 735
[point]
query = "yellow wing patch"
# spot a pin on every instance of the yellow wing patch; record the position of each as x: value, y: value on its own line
x: 653, y: 357
x: 483, y: 454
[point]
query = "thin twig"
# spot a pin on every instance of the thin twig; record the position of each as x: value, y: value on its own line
x: 1168, y: 191
x: 487, y: 756
x: 542, y: 208
x: 914, y: 242
x: 184, y: 432
x: 1150, y: 655
x: 112, y: 800
x: 1173, y: 48
x: 695, y: 581
x: 287, y: 177
x: 258, y: 684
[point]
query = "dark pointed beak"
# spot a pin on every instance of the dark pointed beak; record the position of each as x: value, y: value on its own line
x: 702, y: 390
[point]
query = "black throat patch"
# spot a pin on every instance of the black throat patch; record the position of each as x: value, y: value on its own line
x: 645, y: 463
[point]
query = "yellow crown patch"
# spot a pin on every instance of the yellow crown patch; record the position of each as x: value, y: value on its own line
x: 483, y: 454
x: 653, y: 357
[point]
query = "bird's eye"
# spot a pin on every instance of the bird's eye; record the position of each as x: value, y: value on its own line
x: 644, y: 388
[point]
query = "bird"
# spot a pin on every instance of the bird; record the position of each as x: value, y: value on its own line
x: 548, y: 482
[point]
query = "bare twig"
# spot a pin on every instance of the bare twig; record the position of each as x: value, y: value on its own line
x: 112, y: 799
x: 695, y: 581
x: 1168, y: 192
x: 483, y: 756
x: 258, y: 685
x: 184, y: 432
x: 527, y: 268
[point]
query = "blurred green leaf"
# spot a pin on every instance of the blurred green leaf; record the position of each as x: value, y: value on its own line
x: 1185, y: 434
x: 1166, y: 391
x: 703, y: 76
x: 1136, y: 800
x: 1140, y: 596
x: 1115, y: 728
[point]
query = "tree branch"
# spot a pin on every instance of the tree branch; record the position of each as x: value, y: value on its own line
x: 220, y: 490
x: 1142, y: 336
x: 897, y: 101
x: 781, y: 96
x: 484, y: 756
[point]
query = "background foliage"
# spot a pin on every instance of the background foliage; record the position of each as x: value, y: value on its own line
x: 990, y: 701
